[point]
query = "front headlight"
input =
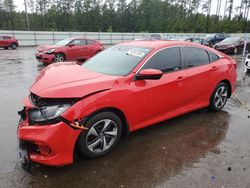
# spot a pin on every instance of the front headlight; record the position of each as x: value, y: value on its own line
x: 50, y: 51
x: 47, y: 113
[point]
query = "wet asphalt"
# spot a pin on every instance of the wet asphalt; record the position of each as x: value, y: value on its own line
x: 199, y: 149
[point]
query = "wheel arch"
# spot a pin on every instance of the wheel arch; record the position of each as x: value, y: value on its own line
x: 118, y: 112
x: 226, y: 81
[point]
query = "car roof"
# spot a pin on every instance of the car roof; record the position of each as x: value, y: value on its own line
x: 158, y: 43
x: 81, y: 38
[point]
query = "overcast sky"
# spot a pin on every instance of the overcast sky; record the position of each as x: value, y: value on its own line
x: 20, y: 6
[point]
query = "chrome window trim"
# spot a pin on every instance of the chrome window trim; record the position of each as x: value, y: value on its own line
x: 179, y: 46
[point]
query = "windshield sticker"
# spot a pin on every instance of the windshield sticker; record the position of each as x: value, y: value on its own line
x: 136, y: 52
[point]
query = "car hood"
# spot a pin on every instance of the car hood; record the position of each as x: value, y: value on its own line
x: 70, y: 80
x: 47, y: 47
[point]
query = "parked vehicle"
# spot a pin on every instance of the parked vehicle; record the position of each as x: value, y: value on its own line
x: 8, y: 42
x: 212, y: 39
x: 124, y: 88
x: 198, y: 40
x: 247, y: 62
x: 232, y: 45
x: 72, y: 49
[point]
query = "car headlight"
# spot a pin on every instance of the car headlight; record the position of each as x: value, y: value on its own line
x: 47, y: 113
x: 50, y: 51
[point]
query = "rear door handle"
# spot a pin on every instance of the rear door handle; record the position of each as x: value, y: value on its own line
x: 214, y: 68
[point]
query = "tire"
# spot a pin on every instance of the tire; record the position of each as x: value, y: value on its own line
x: 6, y: 48
x: 97, y: 52
x: 236, y: 51
x: 98, y: 140
x: 219, y: 97
x: 59, y: 57
x: 13, y: 46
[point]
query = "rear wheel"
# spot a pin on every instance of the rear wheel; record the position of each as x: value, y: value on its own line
x: 13, y: 46
x: 59, y: 57
x: 104, y: 132
x: 219, y: 97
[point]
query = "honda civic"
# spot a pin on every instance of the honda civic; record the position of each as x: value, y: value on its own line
x: 86, y: 108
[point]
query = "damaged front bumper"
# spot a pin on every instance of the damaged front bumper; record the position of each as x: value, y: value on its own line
x: 45, y: 58
x: 47, y: 144
x: 50, y: 144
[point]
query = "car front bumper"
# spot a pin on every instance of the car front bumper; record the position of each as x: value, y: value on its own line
x: 45, y: 58
x: 51, y: 145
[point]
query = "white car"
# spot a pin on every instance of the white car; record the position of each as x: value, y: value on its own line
x: 247, y: 62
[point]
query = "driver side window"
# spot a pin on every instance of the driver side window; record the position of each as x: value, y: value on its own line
x: 166, y: 60
x: 79, y: 42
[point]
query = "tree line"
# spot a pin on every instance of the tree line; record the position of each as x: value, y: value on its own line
x: 126, y: 16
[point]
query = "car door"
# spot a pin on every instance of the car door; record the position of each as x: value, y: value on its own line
x: 6, y: 41
x: 199, y: 82
x: 155, y: 99
x: 77, y: 49
x: 91, y: 48
x: 1, y: 41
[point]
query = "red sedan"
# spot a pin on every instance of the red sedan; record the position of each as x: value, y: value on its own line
x: 124, y: 88
x: 8, y: 42
x: 72, y: 49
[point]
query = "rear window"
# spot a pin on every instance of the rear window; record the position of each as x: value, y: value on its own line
x: 195, y: 56
x: 6, y: 37
x: 90, y: 42
x: 213, y: 57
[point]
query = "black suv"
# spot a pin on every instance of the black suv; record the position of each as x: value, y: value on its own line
x: 212, y: 39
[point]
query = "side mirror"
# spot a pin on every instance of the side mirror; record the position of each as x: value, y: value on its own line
x: 149, y: 74
x: 70, y: 45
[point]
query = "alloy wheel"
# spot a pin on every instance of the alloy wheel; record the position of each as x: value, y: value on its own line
x: 59, y: 58
x: 220, y: 97
x: 101, y: 136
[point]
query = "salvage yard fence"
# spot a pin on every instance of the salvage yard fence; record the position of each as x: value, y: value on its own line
x: 34, y: 38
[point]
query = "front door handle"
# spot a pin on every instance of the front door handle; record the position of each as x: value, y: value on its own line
x: 179, y: 78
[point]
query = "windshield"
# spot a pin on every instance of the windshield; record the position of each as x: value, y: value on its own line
x: 118, y: 60
x: 63, y: 42
x: 231, y: 40
x: 210, y: 36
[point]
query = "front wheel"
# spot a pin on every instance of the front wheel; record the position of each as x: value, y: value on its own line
x: 104, y: 132
x: 60, y: 57
x: 13, y: 46
x: 219, y: 97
